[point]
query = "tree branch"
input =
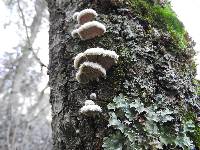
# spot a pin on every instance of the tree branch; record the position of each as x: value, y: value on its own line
x: 28, y: 37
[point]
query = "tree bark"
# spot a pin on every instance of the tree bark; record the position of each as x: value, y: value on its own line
x: 146, y: 58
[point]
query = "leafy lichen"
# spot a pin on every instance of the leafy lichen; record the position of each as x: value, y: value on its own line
x: 146, y: 127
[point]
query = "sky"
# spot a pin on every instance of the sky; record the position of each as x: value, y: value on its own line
x: 187, y: 10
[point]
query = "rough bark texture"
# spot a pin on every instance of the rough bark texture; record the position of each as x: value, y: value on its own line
x: 149, y: 64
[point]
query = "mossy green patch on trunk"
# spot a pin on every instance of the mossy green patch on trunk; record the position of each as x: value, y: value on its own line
x: 162, y: 17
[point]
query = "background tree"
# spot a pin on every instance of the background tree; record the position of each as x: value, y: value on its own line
x: 24, y: 105
x: 154, y: 77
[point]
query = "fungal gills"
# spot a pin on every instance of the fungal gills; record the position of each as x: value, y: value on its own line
x: 89, y: 71
x: 105, y: 58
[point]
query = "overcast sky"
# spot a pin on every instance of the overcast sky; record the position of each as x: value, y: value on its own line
x: 188, y: 12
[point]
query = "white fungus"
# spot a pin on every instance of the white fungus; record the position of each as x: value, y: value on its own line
x: 89, y: 102
x: 89, y: 71
x: 75, y: 15
x: 90, y: 30
x: 105, y: 58
x: 74, y: 33
x: 93, y: 96
x: 90, y: 108
x: 85, y: 15
x: 77, y: 59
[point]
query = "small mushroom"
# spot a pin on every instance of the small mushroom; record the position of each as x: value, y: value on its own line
x: 90, y: 71
x: 90, y: 108
x: 93, y: 96
x: 85, y: 15
x: 89, y: 30
x: 105, y: 58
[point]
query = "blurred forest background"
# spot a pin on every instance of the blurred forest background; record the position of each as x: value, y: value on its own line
x: 25, y: 119
x: 24, y: 94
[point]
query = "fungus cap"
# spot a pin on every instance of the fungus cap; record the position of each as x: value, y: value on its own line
x: 90, y: 109
x: 75, y: 15
x: 89, y: 102
x: 74, y: 33
x: 90, y: 30
x: 90, y: 71
x: 105, y: 58
x: 93, y: 96
x: 85, y: 15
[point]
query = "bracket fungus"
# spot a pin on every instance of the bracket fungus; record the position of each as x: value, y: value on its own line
x: 85, y: 15
x: 105, y: 58
x: 89, y: 30
x: 90, y: 108
x: 90, y: 71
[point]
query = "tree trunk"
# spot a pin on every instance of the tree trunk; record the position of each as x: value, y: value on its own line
x: 150, y: 64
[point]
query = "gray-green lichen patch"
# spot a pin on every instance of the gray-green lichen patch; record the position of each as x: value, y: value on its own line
x: 142, y: 126
x: 150, y: 70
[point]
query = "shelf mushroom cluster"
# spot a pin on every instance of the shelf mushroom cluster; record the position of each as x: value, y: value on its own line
x: 87, y: 29
x: 93, y: 63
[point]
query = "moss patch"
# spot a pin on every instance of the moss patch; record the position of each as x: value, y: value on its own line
x: 162, y: 17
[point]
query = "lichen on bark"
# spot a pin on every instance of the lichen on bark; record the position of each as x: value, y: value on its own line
x: 151, y: 64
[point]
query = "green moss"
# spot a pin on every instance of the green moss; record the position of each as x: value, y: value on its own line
x: 162, y: 17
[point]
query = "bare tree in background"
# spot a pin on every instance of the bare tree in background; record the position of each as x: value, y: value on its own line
x: 24, y: 108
